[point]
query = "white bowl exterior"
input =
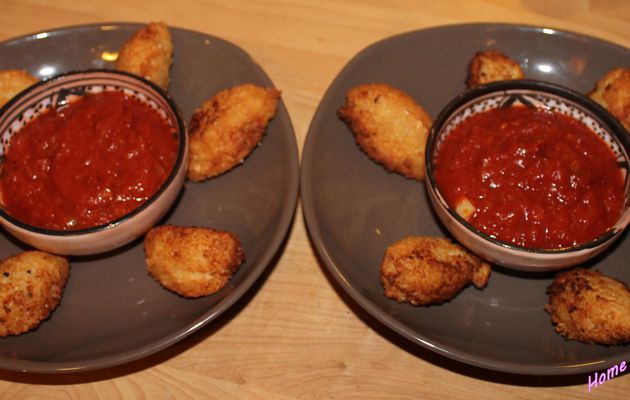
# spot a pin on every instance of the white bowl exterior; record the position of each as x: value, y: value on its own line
x: 508, y: 256
x: 112, y: 237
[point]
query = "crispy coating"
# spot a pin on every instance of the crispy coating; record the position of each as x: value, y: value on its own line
x: 12, y: 82
x: 389, y: 126
x: 192, y: 261
x: 31, y: 285
x: 430, y: 270
x: 225, y: 130
x: 148, y: 53
x: 489, y: 66
x: 589, y: 306
x: 612, y: 91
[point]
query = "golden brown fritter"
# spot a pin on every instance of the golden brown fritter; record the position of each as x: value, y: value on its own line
x: 430, y: 270
x: 490, y: 66
x: 589, y: 306
x: 148, y: 53
x: 192, y: 261
x: 389, y: 126
x: 12, y: 82
x: 612, y: 91
x: 225, y: 130
x: 31, y: 285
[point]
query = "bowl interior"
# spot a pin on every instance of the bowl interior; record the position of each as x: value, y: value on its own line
x: 539, y: 95
x: 63, y: 89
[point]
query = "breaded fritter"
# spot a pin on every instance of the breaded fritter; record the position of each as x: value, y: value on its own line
x: 12, y: 82
x: 389, y: 126
x: 430, y: 270
x: 225, y: 130
x: 490, y: 66
x: 31, y: 285
x: 148, y: 53
x: 589, y: 306
x: 612, y: 91
x: 192, y: 261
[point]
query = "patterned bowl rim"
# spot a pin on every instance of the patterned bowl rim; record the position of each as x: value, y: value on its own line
x: 503, y: 88
x: 92, y: 74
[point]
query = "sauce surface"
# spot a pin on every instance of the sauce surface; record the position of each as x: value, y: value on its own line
x: 531, y: 177
x: 87, y: 163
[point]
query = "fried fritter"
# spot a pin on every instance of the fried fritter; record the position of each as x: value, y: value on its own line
x: 589, y: 306
x: 389, y: 126
x: 31, y: 285
x: 12, y: 82
x: 430, y: 270
x: 148, y: 53
x: 225, y: 130
x: 489, y: 66
x: 612, y: 91
x: 192, y: 261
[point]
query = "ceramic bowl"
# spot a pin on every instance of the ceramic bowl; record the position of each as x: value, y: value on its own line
x: 65, y: 88
x: 530, y: 94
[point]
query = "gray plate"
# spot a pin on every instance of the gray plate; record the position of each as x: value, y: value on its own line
x: 112, y: 311
x: 354, y: 209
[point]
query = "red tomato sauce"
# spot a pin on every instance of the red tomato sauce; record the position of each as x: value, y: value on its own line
x: 87, y: 163
x: 535, y: 178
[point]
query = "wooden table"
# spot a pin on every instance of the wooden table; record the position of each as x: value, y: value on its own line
x: 296, y: 335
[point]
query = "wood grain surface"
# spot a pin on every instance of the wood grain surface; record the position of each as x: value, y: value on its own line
x: 296, y: 335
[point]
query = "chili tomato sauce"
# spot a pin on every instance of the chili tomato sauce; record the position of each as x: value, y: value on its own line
x: 535, y: 178
x: 87, y: 163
